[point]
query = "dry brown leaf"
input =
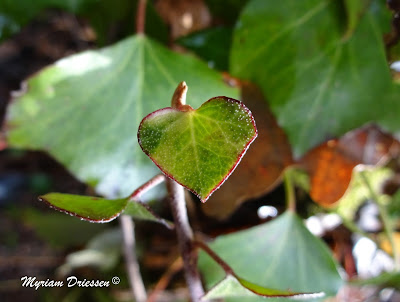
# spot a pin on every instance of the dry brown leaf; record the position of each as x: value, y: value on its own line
x: 330, y: 165
x: 262, y: 166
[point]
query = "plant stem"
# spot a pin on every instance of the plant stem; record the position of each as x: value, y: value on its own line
x: 179, y: 212
x: 228, y: 270
x: 132, y: 265
x: 146, y: 186
x: 129, y: 244
x: 141, y: 17
x: 290, y: 193
x: 185, y: 239
x: 385, y: 219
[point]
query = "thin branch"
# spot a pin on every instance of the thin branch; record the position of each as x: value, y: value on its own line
x: 290, y: 193
x: 185, y: 239
x: 146, y: 187
x: 141, y: 17
x: 228, y: 270
x: 385, y: 219
x: 129, y: 244
x: 132, y: 265
x: 179, y: 212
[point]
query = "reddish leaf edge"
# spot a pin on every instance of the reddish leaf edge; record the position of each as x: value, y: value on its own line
x: 289, y: 294
x: 105, y: 220
x: 203, y: 200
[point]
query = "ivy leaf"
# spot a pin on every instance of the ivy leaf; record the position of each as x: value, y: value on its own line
x: 97, y: 209
x: 232, y: 286
x: 284, y: 255
x: 85, y: 109
x: 199, y: 148
x: 312, y: 78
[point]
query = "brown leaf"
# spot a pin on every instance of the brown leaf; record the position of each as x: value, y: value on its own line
x: 261, y: 167
x: 330, y: 165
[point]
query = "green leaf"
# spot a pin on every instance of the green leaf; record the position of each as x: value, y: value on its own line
x: 199, y: 148
x: 212, y: 44
x: 283, y: 253
x: 85, y: 109
x: 96, y: 209
x: 314, y: 80
x: 232, y: 286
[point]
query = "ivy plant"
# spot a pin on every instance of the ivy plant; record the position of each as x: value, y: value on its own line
x: 118, y: 120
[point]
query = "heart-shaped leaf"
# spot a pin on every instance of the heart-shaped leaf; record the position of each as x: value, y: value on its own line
x: 97, y: 209
x: 198, y: 148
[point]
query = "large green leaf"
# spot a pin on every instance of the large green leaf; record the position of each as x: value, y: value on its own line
x: 283, y: 253
x: 317, y: 83
x: 199, y: 148
x: 85, y: 110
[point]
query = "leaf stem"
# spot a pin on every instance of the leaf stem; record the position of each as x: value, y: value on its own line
x: 227, y: 269
x: 146, y: 187
x: 179, y: 212
x: 185, y: 239
x: 385, y: 219
x: 132, y: 265
x: 141, y: 17
x: 179, y: 98
x: 290, y: 193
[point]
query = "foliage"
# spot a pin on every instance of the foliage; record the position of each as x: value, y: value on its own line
x: 321, y: 68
